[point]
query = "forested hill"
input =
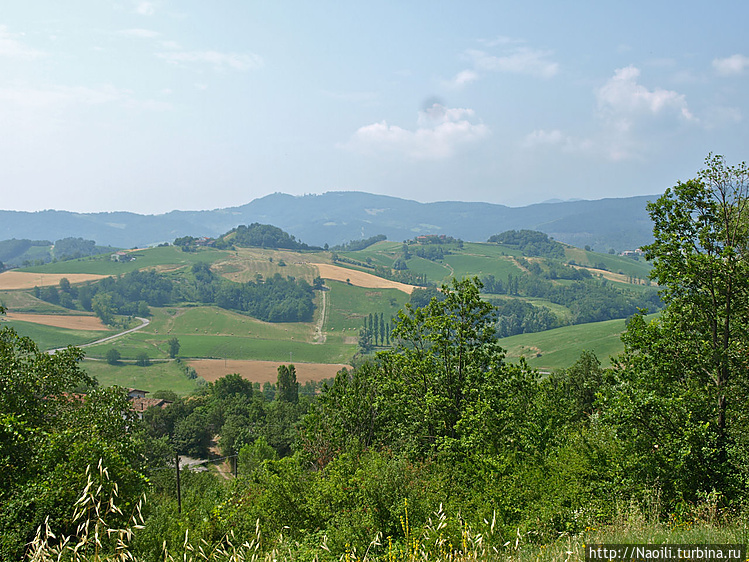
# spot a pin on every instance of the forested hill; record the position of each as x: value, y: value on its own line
x: 339, y: 217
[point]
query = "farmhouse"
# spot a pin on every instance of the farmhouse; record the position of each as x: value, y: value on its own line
x: 140, y: 403
x: 121, y: 257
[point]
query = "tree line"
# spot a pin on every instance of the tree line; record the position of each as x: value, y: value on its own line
x: 275, y: 299
x: 440, y: 422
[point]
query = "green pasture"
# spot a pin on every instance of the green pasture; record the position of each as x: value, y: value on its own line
x: 50, y: 337
x: 226, y: 346
x: 382, y: 253
x: 149, y: 257
x: 157, y: 376
x: 349, y: 305
x: 614, y: 263
x: 23, y: 301
x: 211, y: 320
x: 489, y: 250
x: 562, y: 312
x: 468, y: 265
x: 436, y: 272
x: 558, y: 349
x: 244, y: 264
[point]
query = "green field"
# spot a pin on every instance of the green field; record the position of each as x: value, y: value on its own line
x: 151, y: 257
x: 558, y: 349
x: 349, y: 305
x: 157, y: 376
x: 49, y: 337
x: 22, y: 301
x: 211, y: 332
x: 614, y: 263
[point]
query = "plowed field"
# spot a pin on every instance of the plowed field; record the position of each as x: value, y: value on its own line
x: 91, y: 323
x: 360, y: 278
x: 262, y: 371
x: 15, y: 280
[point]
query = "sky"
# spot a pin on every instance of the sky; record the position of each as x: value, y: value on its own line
x: 156, y: 105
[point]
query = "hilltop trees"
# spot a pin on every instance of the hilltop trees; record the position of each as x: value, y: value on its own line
x: 682, y: 380
x: 443, y: 387
x: 260, y: 236
x: 50, y: 433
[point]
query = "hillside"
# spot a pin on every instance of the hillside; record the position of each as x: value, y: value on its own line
x: 338, y: 217
x: 211, y: 300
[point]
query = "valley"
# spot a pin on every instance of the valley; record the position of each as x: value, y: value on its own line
x: 352, y: 286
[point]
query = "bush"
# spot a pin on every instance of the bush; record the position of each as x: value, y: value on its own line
x: 113, y: 356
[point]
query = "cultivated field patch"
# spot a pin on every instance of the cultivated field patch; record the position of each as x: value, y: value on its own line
x: 70, y: 322
x: 262, y: 371
x: 360, y: 278
x: 16, y: 280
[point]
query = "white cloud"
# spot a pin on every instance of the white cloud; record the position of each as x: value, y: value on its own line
x: 439, y: 134
x: 145, y: 8
x: 624, y: 98
x: 520, y: 60
x: 234, y: 61
x: 731, y: 66
x: 556, y: 138
x: 463, y: 77
x: 632, y: 119
x: 515, y: 58
x: 11, y: 47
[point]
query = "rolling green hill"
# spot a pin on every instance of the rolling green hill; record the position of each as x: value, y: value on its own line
x: 205, y: 330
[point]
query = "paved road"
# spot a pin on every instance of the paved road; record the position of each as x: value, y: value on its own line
x: 143, y: 323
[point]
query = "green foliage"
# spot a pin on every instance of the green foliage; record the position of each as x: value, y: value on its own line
x: 356, y: 245
x: 287, y: 389
x: 588, y: 300
x: 679, y: 397
x: 142, y: 359
x: 113, y: 356
x: 49, y: 435
x: 260, y: 236
x: 173, y: 344
x: 530, y: 243
x: 74, y: 248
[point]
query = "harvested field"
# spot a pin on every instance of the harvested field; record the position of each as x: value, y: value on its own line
x: 610, y: 275
x: 360, y: 278
x: 15, y: 280
x: 262, y: 371
x: 88, y: 323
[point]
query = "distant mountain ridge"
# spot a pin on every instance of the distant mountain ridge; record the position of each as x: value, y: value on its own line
x: 342, y: 216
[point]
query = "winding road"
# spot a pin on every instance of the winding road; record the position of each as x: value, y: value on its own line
x: 143, y: 323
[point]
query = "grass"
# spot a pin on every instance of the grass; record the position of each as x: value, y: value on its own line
x: 211, y: 320
x: 557, y: 349
x: 349, y: 305
x: 22, y: 301
x: 223, y: 347
x: 157, y: 376
x: 149, y: 257
x: 97, y: 510
x: 244, y: 264
x: 436, y: 272
x: 614, y: 263
x: 49, y: 337
x: 467, y: 265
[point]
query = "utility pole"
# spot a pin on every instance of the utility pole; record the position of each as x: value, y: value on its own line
x: 179, y: 493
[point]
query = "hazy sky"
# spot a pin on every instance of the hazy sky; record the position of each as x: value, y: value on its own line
x: 150, y: 106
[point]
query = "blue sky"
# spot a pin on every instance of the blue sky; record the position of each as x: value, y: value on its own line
x: 150, y: 106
